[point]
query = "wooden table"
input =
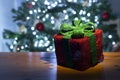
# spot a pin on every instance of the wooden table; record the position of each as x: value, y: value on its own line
x: 42, y: 66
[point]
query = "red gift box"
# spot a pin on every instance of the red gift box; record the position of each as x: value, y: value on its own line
x: 80, y: 57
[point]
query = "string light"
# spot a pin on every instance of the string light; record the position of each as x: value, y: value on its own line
x: 64, y: 11
x: 76, y: 18
x: 49, y: 7
x: 35, y: 10
x: 18, y: 49
x: 47, y: 15
x: 74, y: 12
x: 16, y: 38
x: 84, y: 12
x: 46, y: 2
x: 39, y: 10
x: 35, y: 44
x: 109, y: 36
x: 81, y: 11
x: 83, y: 18
x: 75, y: 1
x: 22, y: 47
x: 69, y: 0
x: 52, y: 17
x: 37, y: 36
x: 26, y: 45
x: 38, y: 17
x: 43, y: 19
x: 45, y: 38
x: 59, y: 1
x: 56, y: 3
x: 52, y: 21
x: 11, y: 47
x: 27, y: 18
x: 113, y: 43
x: 30, y: 12
x: 34, y: 33
x: 88, y: 14
x: 35, y: 0
x: 33, y: 3
x: 32, y: 28
x: 66, y: 16
x: 15, y: 42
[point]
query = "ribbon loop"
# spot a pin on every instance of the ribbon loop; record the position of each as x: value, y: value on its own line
x: 78, y: 29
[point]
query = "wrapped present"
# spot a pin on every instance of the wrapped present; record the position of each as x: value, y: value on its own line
x: 79, y: 46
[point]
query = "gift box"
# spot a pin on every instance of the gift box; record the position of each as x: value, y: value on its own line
x: 78, y: 46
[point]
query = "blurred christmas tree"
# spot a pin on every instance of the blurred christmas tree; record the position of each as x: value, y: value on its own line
x: 39, y: 20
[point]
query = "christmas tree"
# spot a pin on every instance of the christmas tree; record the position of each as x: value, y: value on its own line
x: 39, y: 20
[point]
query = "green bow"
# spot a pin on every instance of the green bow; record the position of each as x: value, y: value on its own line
x: 79, y: 29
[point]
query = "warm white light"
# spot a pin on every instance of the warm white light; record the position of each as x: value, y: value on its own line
x: 44, y: 11
x: 66, y: 16
x: 22, y: 47
x: 56, y: 3
x: 11, y: 47
x: 59, y: 1
x: 75, y: 1
x: 52, y: 21
x: 113, y: 43
x: 35, y: 10
x: 51, y: 47
x: 38, y: 17
x: 39, y: 10
x: 43, y: 19
x: 96, y: 17
x: 18, y: 49
x: 88, y: 14
x: 49, y: 7
x: 37, y: 36
x: 46, y: 2
x: 84, y: 12
x: 16, y: 38
x: 30, y: 12
x: 109, y: 36
x: 45, y: 38
x: 47, y: 43
x: 26, y: 45
x: 32, y: 28
x: 47, y: 15
x: 33, y: 3
x: 83, y: 18
x: 52, y: 17
x: 15, y: 42
x: 64, y: 11
x: 48, y: 49
x: 53, y: 5
x: 75, y: 18
x: 27, y: 18
x: 34, y: 33
x: 69, y: 0
x: 74, y: 12
x: 96, y: 20
x: 36, y: 43
x: 41, y: 41
x: 35, y: 0
x: 81, y: 12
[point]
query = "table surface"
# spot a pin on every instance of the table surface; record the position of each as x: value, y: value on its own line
x: 43, y: 66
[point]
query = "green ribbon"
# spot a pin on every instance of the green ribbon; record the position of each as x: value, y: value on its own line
x: 79, y: 29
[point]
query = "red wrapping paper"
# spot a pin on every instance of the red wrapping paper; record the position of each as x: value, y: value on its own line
x: 80, y: 49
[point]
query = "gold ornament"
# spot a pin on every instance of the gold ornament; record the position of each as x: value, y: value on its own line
x: 22, y: 29
x: 85, y: 4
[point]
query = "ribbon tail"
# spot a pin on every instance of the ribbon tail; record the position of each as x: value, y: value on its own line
x: 93, y: 49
